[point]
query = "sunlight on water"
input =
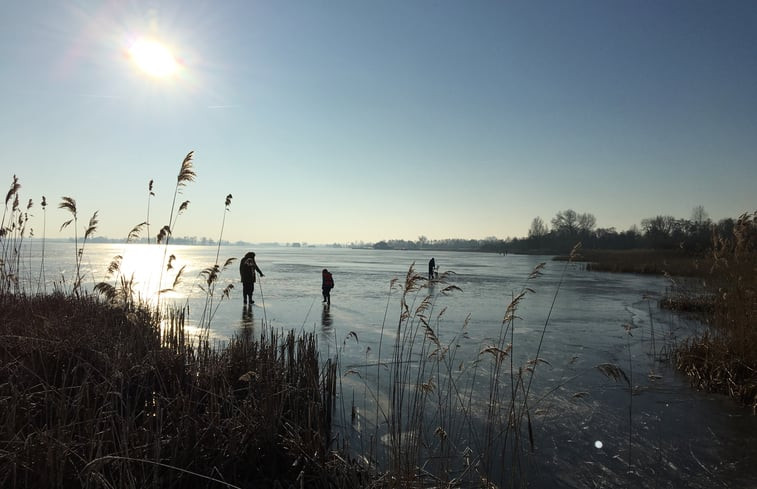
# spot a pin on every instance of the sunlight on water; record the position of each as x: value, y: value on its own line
x: 142, y: 264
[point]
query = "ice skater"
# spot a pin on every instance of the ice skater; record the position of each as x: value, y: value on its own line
x: 326, y: 285
x: 431, y: 268
x: 247, y: 269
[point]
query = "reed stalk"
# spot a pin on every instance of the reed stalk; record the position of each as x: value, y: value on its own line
x: 150, y: 195
x: 69, y: 204
x: 186, y: 174
x: 42, y: 280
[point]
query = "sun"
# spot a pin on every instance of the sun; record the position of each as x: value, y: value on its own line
x: 154, y: 58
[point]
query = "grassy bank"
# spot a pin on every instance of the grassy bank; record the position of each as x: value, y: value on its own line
x: 724, y: 358
x: 646, y: 261
x: 718, y: 286
x: 97, y: 396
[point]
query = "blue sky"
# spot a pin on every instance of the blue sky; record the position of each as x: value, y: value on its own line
x: 341, y: 121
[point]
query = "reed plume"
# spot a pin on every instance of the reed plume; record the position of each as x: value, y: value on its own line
x: 114, y: 270
x: 92, y: 226
x: 11, y: 236
x: 42, y: 279
x: 227, y: 204
x: 136, y: 231
x: 186, y: 175
x: 69, y: 204
x: 210, y: 277
x: 15, y: 186
x: 150, y: 194
x: 12, y: 192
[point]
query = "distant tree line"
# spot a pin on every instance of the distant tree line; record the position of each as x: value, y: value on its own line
x: 178, y: 240
x: 660, y: 232
x: 569, y: 227
x: 489, y: 244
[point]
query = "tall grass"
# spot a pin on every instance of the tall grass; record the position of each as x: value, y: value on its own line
x: 210, y: 276
x: 186, y: 174
x: 122, y: 289
x: 69, y: 204
x: 116, y: 394
x: 442, y: 421
x: 13, y: 230
x: 150, y: 195
x: 724, y: 358
x: 42, y: 280
x: 101, y: 396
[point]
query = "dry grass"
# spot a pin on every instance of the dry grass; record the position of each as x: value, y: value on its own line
x: 718, y: 287
x: 443, y: 420
x: 645, y: 261
x: 96, y: 396
x: 102, y: 391
x: 724, y: 359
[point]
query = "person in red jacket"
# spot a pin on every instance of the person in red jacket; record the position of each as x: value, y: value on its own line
x: 326, y: 286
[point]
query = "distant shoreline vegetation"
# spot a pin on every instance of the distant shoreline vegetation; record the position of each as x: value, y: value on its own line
x: 196, y: 241
x: 692, y: 236
x: 665, y: 233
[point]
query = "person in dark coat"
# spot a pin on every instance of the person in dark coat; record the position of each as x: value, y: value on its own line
x: 247, y: 269
x: 326, y: 285
x: 431, y: 268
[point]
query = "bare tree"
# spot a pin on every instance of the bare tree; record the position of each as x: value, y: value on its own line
x: 699, y: 215
x: 538, y: 228
x: 565, y: 222
x: 586, y: 222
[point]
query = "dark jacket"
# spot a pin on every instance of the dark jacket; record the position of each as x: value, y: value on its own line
x: 328, y: 280
x: 248, y: 267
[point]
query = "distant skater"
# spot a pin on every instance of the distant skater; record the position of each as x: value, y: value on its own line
x: 247, y: 269
x: 326, y: 285
x: 431, y: 268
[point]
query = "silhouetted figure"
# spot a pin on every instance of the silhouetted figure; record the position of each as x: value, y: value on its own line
x: 326, y: 285
x: 247, y: 269
x: 431, y: 268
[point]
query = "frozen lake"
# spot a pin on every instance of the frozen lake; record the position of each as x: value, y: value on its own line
x: 588, y: 429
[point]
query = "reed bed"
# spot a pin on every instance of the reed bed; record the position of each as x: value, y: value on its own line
x: 717, y: 286
x: 106, y: 391
x: 646, y: 261
x: 724, y: 358
x: 93, y: 395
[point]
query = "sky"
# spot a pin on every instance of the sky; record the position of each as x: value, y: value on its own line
x: 339, y: 121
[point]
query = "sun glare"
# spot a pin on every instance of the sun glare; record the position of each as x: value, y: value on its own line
x: 154, y: 58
